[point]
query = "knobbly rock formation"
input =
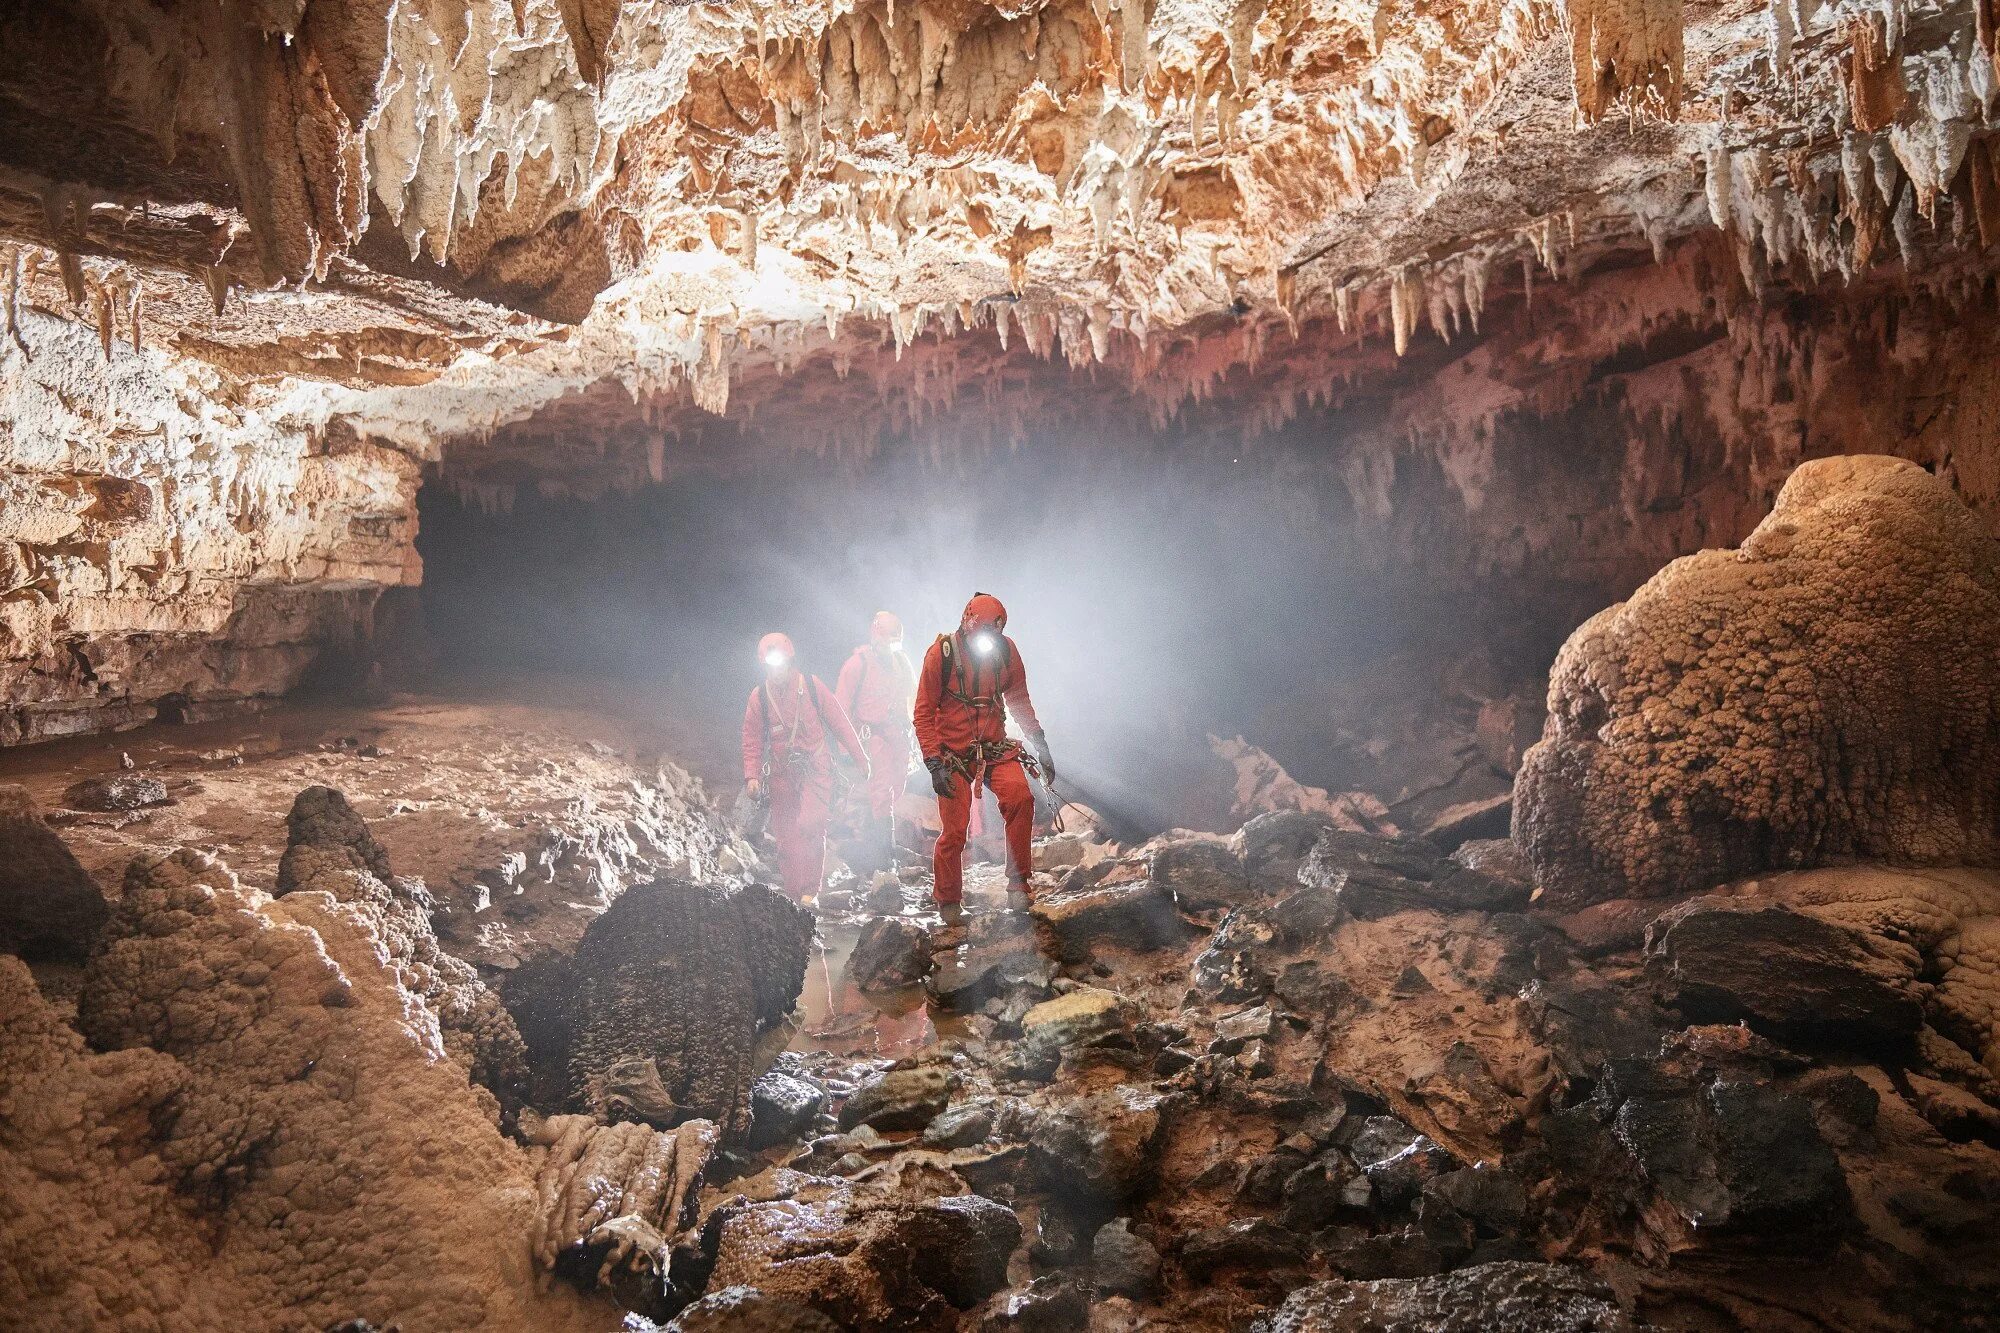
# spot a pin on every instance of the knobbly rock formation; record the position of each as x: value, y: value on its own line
x: 330, y: 851
x: 660, y: 1014
x: 50, y: 907
x: 251, y: 1077
x: 1826, y: 692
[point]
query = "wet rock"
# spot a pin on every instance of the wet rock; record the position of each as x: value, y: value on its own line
x: 891, y: 952
x: 963, y: 1126
x: 1054, y: 1304
x: 1112, y: 902
x: 113, y: 792
x: 1793, y: 976
x: 1250, y: 1242
x: 1203, y: 876
x: 1076, y: 1018
x: 783, y: 1108
x: 1490, y: 1298
x: 998, y: 957
x: 685, y: 975
x: 748, y: 1310
x: 1396, y: 1158
x: 1121, y: 1263
x: 899, y: 1099
x: 1494, y: 1200
x: 1099, y: 1151
x: 864, y: 1260
x: 50, y: 908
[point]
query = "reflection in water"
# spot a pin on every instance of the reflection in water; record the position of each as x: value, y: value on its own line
x: 836, y: 1016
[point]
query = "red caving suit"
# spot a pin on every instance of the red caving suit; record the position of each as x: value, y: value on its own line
x: 783, y: 724
x: 948, y: 725
x: 875, y: 689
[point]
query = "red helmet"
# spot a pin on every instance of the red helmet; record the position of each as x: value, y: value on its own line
x: 885, y: 628
x: 775, y: 650
x: 983, y: 612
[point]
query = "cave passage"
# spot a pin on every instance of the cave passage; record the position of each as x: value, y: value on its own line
x: 1159, y: 596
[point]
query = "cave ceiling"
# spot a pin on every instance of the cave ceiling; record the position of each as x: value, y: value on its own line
x: 583, y: 241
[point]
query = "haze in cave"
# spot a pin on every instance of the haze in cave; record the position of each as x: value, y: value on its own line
x: 1077, y: 666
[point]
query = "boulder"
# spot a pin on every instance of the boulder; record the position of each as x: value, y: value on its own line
x: 1488, y: 1298
x: 115, y: 791
x: 1486, y: 817
x: 1493, y: 1200
x: 899, y: 1099
x: 867, y: 1260
x: 1121, y: 1263
x: 50, y: 907
x: 1112, y: 902
x: 891, y: 952
x: 1075, y: 1018
x: 1823, y: 693
x: 1788, y: 974
x: 783, y: 1108
x: 1377, y: 877
x: 1271, y: 846
x: 1098, y: 1152
x: 965, y: 1125
x: 1203, y: 876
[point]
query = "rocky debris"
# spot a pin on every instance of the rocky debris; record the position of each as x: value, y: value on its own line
x: 1397, y: 1160
x: 1371, y: 877
x: 892, y: 952
x: 1733, y: 1160
x: 864, y: 1259
x: 687, y: 977
x: 907, y: 1098
x: 331, y: 851
x: 281, y: 1037
x: 1248, y: 1243
x: 50, y: 907
x: 1487, y: 1298
x: 1793, y: 976
x: 1273, y: 846
x: 114, y: 792
x: 1109, y: 903
x: 611, y: 1199
x: 961, y: 1126
x: 1851, y: 645
x: 998, y: 968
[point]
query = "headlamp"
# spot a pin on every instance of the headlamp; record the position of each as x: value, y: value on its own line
x: 774, y: 659
x: 985, y: 642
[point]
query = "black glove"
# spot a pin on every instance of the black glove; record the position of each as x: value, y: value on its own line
x: 1045, y: 761
x: 941, y: 779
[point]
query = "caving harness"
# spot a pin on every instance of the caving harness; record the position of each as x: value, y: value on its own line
x: 796, y: 756
x: 973, y: 762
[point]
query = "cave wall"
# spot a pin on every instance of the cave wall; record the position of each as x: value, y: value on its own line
x: 165, y: 538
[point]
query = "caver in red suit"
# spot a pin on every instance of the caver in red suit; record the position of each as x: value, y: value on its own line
x: 875, y: 688
x: 787, y: 757
x: 970, y: 682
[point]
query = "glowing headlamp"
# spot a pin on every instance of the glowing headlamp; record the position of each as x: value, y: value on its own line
x: 774, y: 658
x: 985, y: 643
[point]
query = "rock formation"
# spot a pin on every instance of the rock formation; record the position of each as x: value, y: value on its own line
x: 330, y: 851
x: 660, y: 1014
x: 250, y: 1079
x: 50, y: 907
x: 1826, y: 692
